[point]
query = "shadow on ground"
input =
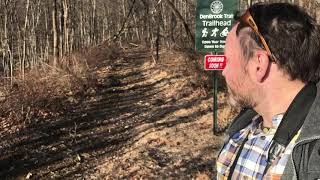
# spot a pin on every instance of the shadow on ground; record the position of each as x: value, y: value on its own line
x: 102, y: 125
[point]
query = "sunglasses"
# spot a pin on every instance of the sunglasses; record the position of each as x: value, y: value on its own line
x: 248, y: 20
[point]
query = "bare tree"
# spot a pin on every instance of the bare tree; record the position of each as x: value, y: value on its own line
x: 55, y: 33
x: 33, y: 31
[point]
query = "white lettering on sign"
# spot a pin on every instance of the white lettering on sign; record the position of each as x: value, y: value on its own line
x: 214, y: 62
x: 218, y: 46
x: 216, y: 59
x: 211, y: 16
x: 216, y: 23
x: 206, y: 42
x: 210, y: 46
x: 228, y: 16
x: 216, y: 16
x: 213, y: 66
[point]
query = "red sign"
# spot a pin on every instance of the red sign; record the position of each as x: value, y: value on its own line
x: 214, y: 62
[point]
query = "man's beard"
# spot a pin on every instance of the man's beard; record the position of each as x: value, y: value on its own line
x: 236, y: 99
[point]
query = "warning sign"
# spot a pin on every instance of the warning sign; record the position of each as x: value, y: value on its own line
x: 214, y: 62
x: 214, y: 20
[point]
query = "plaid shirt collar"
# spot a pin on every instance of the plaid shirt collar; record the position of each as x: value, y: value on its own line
x: 257, y: 125
x: 252, y: 160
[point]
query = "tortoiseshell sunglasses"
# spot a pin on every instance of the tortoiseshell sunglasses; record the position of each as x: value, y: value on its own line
x: 248, y: 20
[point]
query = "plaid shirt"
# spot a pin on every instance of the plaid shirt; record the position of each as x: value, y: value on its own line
x: 253, y: 158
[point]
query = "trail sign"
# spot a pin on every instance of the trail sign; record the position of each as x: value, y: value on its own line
x: 214, y: 19
x: 214, y: 62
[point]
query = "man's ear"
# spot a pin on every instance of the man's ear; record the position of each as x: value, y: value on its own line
x: 262, y: 66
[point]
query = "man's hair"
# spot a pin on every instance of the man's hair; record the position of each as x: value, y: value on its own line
x: 292, y: 36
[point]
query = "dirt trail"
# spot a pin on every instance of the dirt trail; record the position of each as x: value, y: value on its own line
x: 141, y: 121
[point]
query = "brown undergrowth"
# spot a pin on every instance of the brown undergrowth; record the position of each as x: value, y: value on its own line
x: 113, y: 114
x: 46, y: 91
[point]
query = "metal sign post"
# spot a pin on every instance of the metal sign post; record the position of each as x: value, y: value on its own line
x: 214, y: 19
x: 215, y: 103
x: 215, y: 63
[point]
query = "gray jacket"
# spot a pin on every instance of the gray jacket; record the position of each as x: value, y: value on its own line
x: 304, y: 163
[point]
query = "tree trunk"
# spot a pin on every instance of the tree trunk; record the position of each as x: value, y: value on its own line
x: 47, y: 44
x: 5, y: 43
x: 93, y: 21
x: 60, y: 22
x: 24, y: 40
x: 66, y: 26
x: 55, y: 33
x: 81, y: 40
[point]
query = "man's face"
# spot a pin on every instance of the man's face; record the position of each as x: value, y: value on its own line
x: 237, y: 78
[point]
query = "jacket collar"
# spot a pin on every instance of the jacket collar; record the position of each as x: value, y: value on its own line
x: 241, y: 121
x: 310, y: 128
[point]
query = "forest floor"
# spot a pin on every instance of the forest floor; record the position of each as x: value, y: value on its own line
x: 143, y: 120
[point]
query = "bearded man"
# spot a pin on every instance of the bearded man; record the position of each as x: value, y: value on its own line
x: 273, y: 65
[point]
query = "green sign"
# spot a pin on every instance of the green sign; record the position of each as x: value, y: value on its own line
x: 214, y: 20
